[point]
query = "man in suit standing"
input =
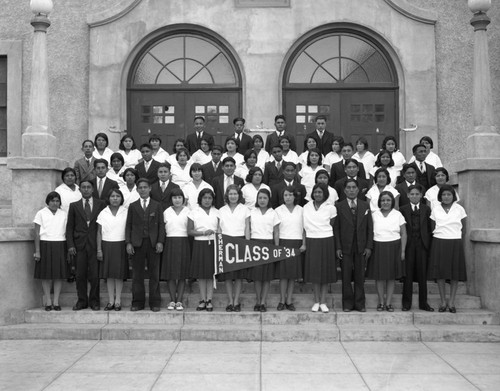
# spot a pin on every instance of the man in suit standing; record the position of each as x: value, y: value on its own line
x: 274, y: 138
x: 145, y: 235
x: 243, y: 140
x: 353, y: 229
x: 409, y: 173
x: 81, y: 236
x: 290, y: 179
x: 338, y: 169
x: 351, y: 169
x: 324, y: 139
x: 193, y: 140
x: 273, y: 171
x: 221, y: 182
x: 418, y: 228
x: 102, y: 184
x: 425, y: 172
x: 84, y: 167
x: 148, y: 168
x: 161, y: 190
x: 214, y: 168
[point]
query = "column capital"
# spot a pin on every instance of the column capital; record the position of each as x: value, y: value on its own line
x: 40, y: 23
x: 480, y: 21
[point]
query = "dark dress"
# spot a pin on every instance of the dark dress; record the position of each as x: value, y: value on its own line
x: 176, y: 259
x: 53, y: 264
x: 115, y: 260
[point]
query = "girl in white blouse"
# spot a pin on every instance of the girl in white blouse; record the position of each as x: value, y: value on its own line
x: 288, y: 154
x: 129, y: 189
x: 363, y: 155
x: 384, y: 160
x: 262, y: 155
x: 204, y: 154
x: 101, y: 150
x: 197, y: 184
x: 159, y: 154
x: 322, y: 176
x: 382, y: 180
x: 68, y: 191
x: 115, y: 173
x: 447, y: 258
x: 334, y: 156
x: 250, y: 158
x: 128, y: 149
x: 254, y: 184
x: 50, y: 249
x: 442, y: 177
x: 232, y: 151
x: 308, y: 172
x: 180, y: 168
x: 390, y: 144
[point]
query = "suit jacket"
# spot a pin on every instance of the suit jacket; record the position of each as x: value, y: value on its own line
x: 273, y: 139
x: 108, y: 185
x: 277, y: 197
x: 402, y: 188
x: 344, y: 228
x: 135, y: 220
x: 84, y: 171
x: 245, y: 143
x: 209, y: 173
x: 364, y: 186
x: 78, y: 233
x: 151, y: 174
x: 429, y: 172
x: 193, y: 144
x: 425, y: 223
x: 218, y: 185
x: 163, y: 197
x: 324, y: 143
x: 338, y: 172
x: 271, y: 175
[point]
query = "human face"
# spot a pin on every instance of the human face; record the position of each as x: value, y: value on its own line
x: 288, y: 198
x: 147, y: 154
x: 415, y: 196
x: 322, y: 178
x: 320, y: 125
x: 352, y: 170
x: 427, y: 145
x: 440, y: 178
x: 86, y: 189
x: 360, y: 147
x: 155, y: 144
x: 280, y: 125
x: 420, y: 154
x: 129, y: 178
x: 69, y: 178
x: 277, y: 154
x: 163, y: 174
x: 385, y: 160
x: 116, y: 164
x: 390, y: 146
x: 410, y: 175
x: 311, y: 143
x: 446, y: 197
x: 143, y: 189
x: 231, y: 146
x: 101, y: 170
x: 101, y: 143
x: 54, y: 204
x: 233, y: 196
x: 216, y: 155
x: 263, y: 200
x: 177, y: 201
x: 381, y: 179
x: 204, y: 146
x: 196, y: 174
x: 87, y: 149
x: 207, y: 201
x: 127, y: 144
x: 285, y: 144
x: 351, y: 190
x: 257, y: 178
x: 313, y: 158
x: 228, y: 168
x: 385, y: 202
x: 115, y: 199
x: 290, y: 173
x: 252, y: 160
x: 317, y: 195
x: 199, y: 125
x: 347, y: 152
x: 239, y: 126
x: 182, y: 158
x: 336, y: 146
x: 257, y: 144
x: 179, y: 145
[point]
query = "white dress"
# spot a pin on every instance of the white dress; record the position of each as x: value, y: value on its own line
x: 262, y: 158
x: 191, y: 193
x: 129, y: 196
x: 374, y: 194
x: 132, y: 158
x: 368, y: 161
x: 68, y: 196
x: 250, y: 194
x: 238, y: 158
x: 431, y: 195
x: 180, y: 176
x: 331, y: 158
x: 161, y: 156
x: 308, y: 176
x: 398, y: 159
x: 106, y: 154
x: 200, y: 157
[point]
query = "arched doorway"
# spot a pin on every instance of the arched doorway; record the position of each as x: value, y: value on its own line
x: 179, y: 75
x: 347, y: 76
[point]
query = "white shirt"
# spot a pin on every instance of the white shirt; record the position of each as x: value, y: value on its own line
x: 129, y: 196
x: 368, y: 161
x: 303, y: 158
x: 262, y: 225
x: 291, y: 223
x: 132, y: 158
x: 374, y: 193
x: 142, y: 202
x: 332, y: 198
x: 180, y: 176
x: 432, y: 196
x: 232, y: 223
x: 176, y: 224
x: 242, y: 171
x: 398, y: 159
x: 393, y: 173
x: 106, y: 154
x: 113, y: 227
x: 448, y: 225
x: 308, y: 176
x: 204, y: 222
x: 262, y: 158
x: 431, y: 159
x: 52, y: 226
x: 191, y: 193
x: 201, y: 157
x: 317, y: 222
x: 68, y: 196
x: 161, y: 156
x: 250, y: 194
x: 291, y: 156
x: 331, y: 158
x: 387, y: 229
x: 238, y: 158
x: 111, y: 174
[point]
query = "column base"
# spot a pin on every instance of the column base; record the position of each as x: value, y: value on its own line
x: 38, y: 143
x: 484, y: 145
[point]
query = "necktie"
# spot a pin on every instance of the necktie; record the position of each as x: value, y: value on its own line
x: 88, y: 163
x: 278, y: 165
x: 228, y: 182
x: 99, y: 188
x: 87, y: 209
x: 146, y: 166
x: 199, y: 136
x: 422, y: 167
x: 215, y: 166
x: 144, y: 205
x: 320, y: 134
x: 353, y: 207
x: 415, y: 208
x: 163, y: 186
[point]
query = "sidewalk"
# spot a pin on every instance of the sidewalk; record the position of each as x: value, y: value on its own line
x: 237, y: 366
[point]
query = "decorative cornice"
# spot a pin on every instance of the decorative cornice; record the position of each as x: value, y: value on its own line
x: 412, y: 12
x: 110, y: 15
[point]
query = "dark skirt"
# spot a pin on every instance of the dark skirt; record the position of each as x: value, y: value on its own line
x: 290, y: 268
x: 234, y: 275
x: 263, y: 272
x: 385, y: 262
x: 202, y: 260
x: 447, y: 260
x: 115, y: 260
x: 53, y: 264
x: 320, y: 266
x: 175, y: 259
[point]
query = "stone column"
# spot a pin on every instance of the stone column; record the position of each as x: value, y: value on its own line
x: 37, y: 171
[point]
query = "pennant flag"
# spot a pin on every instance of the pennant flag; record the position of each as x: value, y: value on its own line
x: 236, y: 254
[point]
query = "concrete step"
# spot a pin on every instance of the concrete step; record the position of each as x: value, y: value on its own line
x: 5, y: 213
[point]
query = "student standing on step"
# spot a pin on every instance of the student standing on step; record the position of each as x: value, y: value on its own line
x: 148, y: 168
x: 84, y: 167
x: 354, y: 241
x: 161, y: 190
x: 193, y: 140
x: 417, y: 216
x: 102, y: 184
x: 145, y: 235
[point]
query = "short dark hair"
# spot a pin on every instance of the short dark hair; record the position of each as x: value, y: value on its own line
x: 416, y: 146
x: 258, y: 137
x: 66, y: 170
x: 206, y: 191
x: 145, y: 145
x: 177, y: 192
x: 323, y: 188
x: 252, y: 172
x: 51, y: 196
x: 241, y: 119
x: 195, y: 167
x: 276, y: 146
x: 382, y: 170
x: 133, y: 171
x: 199, y: 117
x: 86, y: 181
x: 351, y: 160
x: 143, y: 180
x: 406, y: 166
x: 279, y: 116
x: 121, y: 147
x: 117, y: 155
x: 294, y: 191
x: 389, y: 138
x: 231, y: 139
x: 104, y: 136
x: 117, y: 191
x: 351, y: 180
x: 428, y: 139
x: 87, y: 141
x: 154, y: 137
x: 417, y: 186
x: 218, y: 148
x: 286, y: 164
x: 267, y: 193
x: 241, y: 200
x: 310, y: 138
x: 285, y: 137
x: 209, y: 140
x: 181, y: 150
x: 384, y: 152
x: 249, y: 153
x: 364, y: 141
x: 340, y: 140
x: 393, y: 200
x: 447, y: 188
x: 179, y: 140
x: 228, y: 159
x: 165, y: 164
x: 97, y: 161
x: 444, y: 171
x: 323, y: 117
x: 321, y: 172
x: 348, y: 145
x: 316, y: 150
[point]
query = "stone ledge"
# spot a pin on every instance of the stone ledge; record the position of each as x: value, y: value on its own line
x: 490, y: 164
x: 485, y: 235
x: 17, y: 234
x: 36, y: 163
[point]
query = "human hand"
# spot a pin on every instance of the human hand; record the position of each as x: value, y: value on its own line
x: 130, y: 249
x: 72, y: 251
x: 99, y: 255
x: 339, y: 254
x: 367, y: 253
x: 159, y: 248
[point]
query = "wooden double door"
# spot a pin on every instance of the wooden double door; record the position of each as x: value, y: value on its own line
x: 350, y: 114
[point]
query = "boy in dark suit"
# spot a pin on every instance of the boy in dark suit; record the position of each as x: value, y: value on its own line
x: 102, y: 184
x: 221, y: 182
x: 161, y: 190
x: 338, y: 169
x: 324, y: 139
x: 193, y: 140
x: 352, y: 172
x: 81, y: 235
x: 214, y: 168
x: 409, y: 174
x: 290, y: 179
x: 353, y: 229
x: 418, y: 228
x: 243, y: 140
x: 148, y: 168
x: 425, y: 172
x: 145, y: 235
x: 84, y: 167
x: 273, y: 171
x: 274, y: 138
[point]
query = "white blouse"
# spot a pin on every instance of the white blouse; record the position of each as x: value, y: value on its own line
x: 431, y: 195
x: 204, y: 222
x: 262, y: 158
x: 200, y: 157
x: 308, y: 176
x: 111, y: 174
x: 331, y: 158
x: 431, y: 159
x: 238, y: 158
x: 398, y: 159
x: 250, y: 194
x: 368, y: 161
x: 387, y: 229
x: 242, y: 171
x: 180, y: 176
x: 129, y: 196
x: 132, y: 158
x: 113, y: 227
x: 317, y: 222
x: 448, y: 225
x: 393, y: 173
x: 262, y: 225
x: 232, y: 223
x: 303, y: 159
x: 176, y: 224
x: 374, y: 194
x: 291, y: 223
x: 291, y: 156
x: 161, y: 156
x: 106, y: 154
x: 68, y: 196
x: 52, y: 226
x: 191, y: 193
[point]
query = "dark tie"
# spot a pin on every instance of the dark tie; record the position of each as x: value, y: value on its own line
x: 415, y: 208
x: 144, y: 206
x: 88, y: 211
x: 88, y: 163
x: 353, y: 207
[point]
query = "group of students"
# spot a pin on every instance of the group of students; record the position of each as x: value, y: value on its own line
x: 382, y: 218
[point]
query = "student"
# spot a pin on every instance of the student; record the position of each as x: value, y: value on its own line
x: 193, y: 140
x: 354, y: 241
x: 430, y: 158
x: 158, y: 153
x: 111, y: 248
x: 128, y: 149
x: 441, y: 177
x: 115, y: 173
x: 102, y: 184
x: 250, y: 159
x: 160, y: 191
x: 231, y: 147
x: 179, y: 144
x: 418, y: 232
x: 364, y: 156
x: 338, y: 169
x: 202, y: 224
x: 148, y: 168
x: 335, y: 155
x: 262, y: 154
x: 221, y: 182
x: 84, y: 167
x: 308, y: 172
x: 204, y: 154
x: 351, y: 167
x: 243, y: 140
x: 68, y: 190
x: 197, y: 184
x: 384, y: 160
x: 145, y: 235
x: 214, y: 168
x: 273, y: 139
x: 309, y: 144
x: 324, y: 138
x: 81, y: 235
x: 273, y: 171
x: 382, y: 183
x: 390, y: 144
x: 180, y: 168
x: 425, y: 172
x: 254, y: 184
x: 50, y: 249
x: 101, y: 150
x: 177, y: 254
x: 288, y: 154
x: 409, y: 173
x: 323, y: 177
x: 129, y: 190
x: 290, y: 180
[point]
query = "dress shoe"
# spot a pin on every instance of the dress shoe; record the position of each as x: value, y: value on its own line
x: 290, y: 307
x: 48, y: 308
x: 78, y: 307
x: 155, y: 309
x: 405, y: 308
x: 237, y: 308
x: 136, y: 308
x: 256, y: 307
x: 347, y: 310
x: 210, y: 306
x: 281, y: 306
x: 230, y: 308
x: 118, y: 307
x: 201, y: 306
x: 56, y: 307
x: 263, y: 308
x: 109, y: 307
x: 453, y: 310
x: 96, y: 307
x: 362, y: 309
x: 427, y: 308
x: 389, y: 308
